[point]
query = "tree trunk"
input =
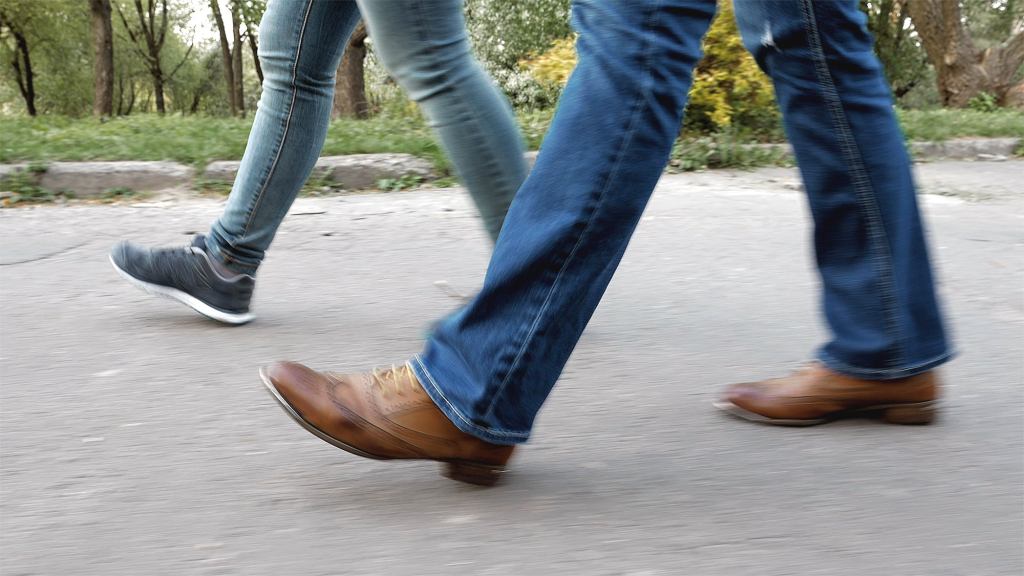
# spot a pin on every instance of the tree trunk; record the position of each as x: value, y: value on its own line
x: 120, y: 95
x: 350, y: 83
x: 151, y: 36
x: 236, y: 54
x: 103, y: 59
x: 158, y: 90
x: 255, y: 54
x: 250, y: 35
x: 225, y: 53
x: 963, y: 70
x: 131, y: 101
x: 23, y: 72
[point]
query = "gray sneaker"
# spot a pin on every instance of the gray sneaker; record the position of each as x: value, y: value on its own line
x: 187, y: 275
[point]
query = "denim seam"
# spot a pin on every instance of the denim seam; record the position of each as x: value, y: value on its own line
x: 882, y: 252
x: 287, y: 122
x: 641, y: 98
x: 451, y: 408
x: 844, y: 368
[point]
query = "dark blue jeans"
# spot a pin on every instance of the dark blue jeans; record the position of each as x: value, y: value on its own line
x: 491, y: 367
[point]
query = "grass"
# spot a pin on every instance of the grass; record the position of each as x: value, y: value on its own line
x: 193, y: 140
x: 198, y: 140
x: 945, y: 124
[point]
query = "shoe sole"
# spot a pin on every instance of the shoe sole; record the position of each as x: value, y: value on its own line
x: 186, y: 299
x: 910, y: 413
x: 459, y: 470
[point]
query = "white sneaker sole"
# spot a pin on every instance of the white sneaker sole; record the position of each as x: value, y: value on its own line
x: 186, y: 299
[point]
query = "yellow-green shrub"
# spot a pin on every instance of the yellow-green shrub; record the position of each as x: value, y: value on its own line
x: 729, y: 90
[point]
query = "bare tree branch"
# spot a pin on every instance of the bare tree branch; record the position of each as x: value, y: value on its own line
x: 180, y: 64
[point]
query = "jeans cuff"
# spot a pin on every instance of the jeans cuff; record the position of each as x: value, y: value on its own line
x: 460, y: 420
x: 225, y: 259
x: 885, y: 373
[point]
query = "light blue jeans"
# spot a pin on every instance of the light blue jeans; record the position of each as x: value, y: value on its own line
x: 424, y: 45
x: 491, y: 366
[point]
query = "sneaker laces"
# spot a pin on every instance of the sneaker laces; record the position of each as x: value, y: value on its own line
x: 394, y: 379
x: 179, y: 264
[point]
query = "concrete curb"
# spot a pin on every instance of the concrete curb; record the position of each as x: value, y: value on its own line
x: 981, y: 149
x: 365, y: 171
x: 353, y: 172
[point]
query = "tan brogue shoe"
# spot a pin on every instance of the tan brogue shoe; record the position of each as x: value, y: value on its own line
x: 816, y: 394
x: 385, y: 415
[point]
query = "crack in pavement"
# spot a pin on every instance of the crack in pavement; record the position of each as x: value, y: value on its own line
x: 45, y: 256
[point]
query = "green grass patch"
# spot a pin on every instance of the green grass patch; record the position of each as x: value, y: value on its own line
x: 198, y: 140
x: 193, y: 140
x: 944, y: 124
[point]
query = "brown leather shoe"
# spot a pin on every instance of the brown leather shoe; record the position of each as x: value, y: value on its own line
x: 816, y: 394
x: 384, y: 415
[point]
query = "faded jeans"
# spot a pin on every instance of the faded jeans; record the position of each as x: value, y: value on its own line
x: 491, y: 366
x: 423, y: 44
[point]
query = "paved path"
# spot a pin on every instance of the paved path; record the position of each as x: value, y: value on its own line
x: 135, y: 438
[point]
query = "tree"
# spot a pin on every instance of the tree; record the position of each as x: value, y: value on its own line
x: 350, y: 83
x: 21, y: 61
x: 964, y: 69
x: 252, y: 12
x: 231, y: 52
x: 103, y: 58
x: 236, y: 55
x: 896, y: 44
x: 225, y: 52
x: 151, y: 36
x: 45, y: 53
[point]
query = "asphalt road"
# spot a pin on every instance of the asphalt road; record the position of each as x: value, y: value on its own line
x: 135, y: 437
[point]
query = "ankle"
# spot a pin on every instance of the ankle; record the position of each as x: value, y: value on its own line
x: 222, y: 269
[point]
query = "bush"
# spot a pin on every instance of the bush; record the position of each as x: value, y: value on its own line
x: 729, y: 90
x: 984, y: 102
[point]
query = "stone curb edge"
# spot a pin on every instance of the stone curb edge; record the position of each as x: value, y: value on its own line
x: 366, y: 171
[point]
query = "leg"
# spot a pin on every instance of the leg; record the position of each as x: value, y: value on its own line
x: 887, y: 333
x: 475, y: 392
x: 423, y: 43
x: 878, y: 293
x: 491, y: 367
x: 301, y: 43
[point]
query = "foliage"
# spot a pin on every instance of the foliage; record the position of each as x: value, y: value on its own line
x: 503, y: 33
x: 197, y: 140
x: 555, y: 64
x: 984, y: 102
x: 897, y: 46
x: 728, y: 87
x: 58, y: 38
x: 22, y: 187
x: 402, y: 183
x: 943, y: 124
x: 728, y: 90
x: 725, y: 149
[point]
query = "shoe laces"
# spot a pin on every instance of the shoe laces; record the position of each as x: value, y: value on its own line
x: 180, y: 264
x: 394, y: 380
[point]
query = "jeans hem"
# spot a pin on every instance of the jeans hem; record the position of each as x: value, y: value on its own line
x: 214, y: 250
x: 884, y: 373
x: 460, y: 420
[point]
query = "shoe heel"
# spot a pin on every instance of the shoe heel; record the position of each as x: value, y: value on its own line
x: 919, y: 413
x: 472, y: 472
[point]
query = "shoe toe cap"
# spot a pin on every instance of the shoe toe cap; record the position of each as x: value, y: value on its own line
x: 298, y: 385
